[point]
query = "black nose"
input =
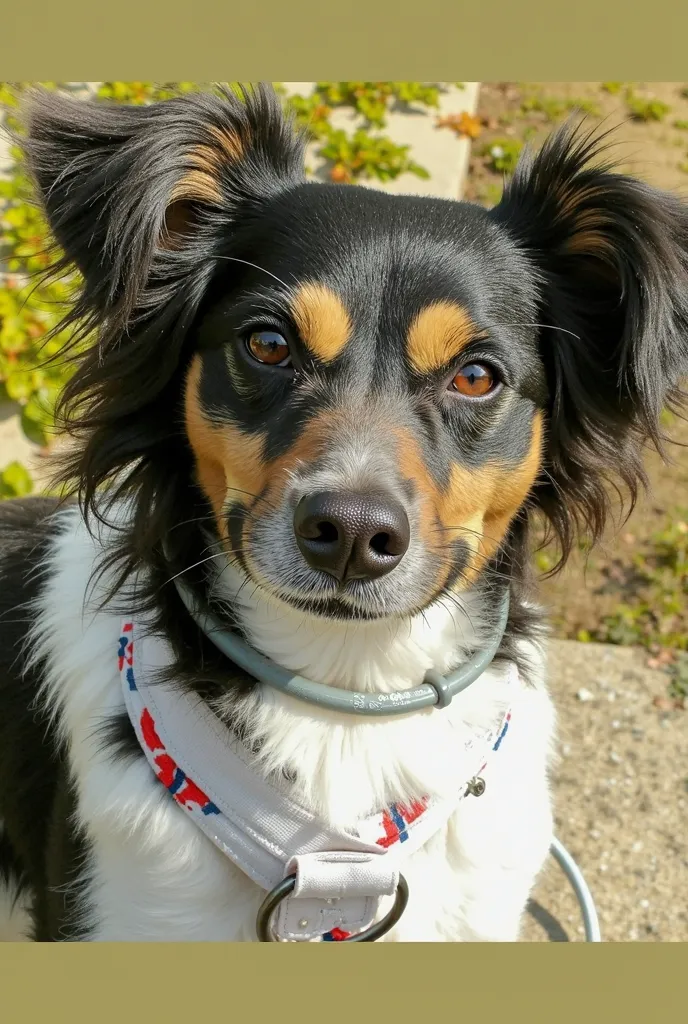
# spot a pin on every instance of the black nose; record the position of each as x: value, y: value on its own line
x: 351, y: 536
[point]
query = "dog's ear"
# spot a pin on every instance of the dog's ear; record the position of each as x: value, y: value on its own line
x: 137, y: 196
x: 611, y: 258
x: 143, y: 199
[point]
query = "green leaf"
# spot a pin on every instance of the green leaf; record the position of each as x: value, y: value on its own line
x: 15, y: 481
x: 18, y: 386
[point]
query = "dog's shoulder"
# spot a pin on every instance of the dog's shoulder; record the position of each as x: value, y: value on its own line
x: 24, y: 529
x: 39, y: 850
x: 25, y: 536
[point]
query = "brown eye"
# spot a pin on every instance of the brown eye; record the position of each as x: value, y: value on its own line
x: 269, y: 348
x: 474, y: 380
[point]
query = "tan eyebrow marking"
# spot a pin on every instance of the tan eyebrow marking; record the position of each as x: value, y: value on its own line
x: 322, y: 320
x: 438, y: 334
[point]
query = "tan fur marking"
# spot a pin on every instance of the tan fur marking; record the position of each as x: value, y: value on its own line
x: 314, y: 440
x: 412, y: 467
x: 588, y: 226
x: 229, y: 463
x: 509, y: 495
x: 438, y: 334
x: 196, y: 186
x: 322, y: 320
x: 571, y: 197
x: 201, y: 184
x: 229, y: 142
x: 589, y: 242
x: 477, y: 505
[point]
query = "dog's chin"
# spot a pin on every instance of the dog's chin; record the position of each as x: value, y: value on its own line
x: 354, y: 600
x: 342, y: 608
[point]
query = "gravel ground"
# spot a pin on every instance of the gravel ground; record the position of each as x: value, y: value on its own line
x: 621, y: 799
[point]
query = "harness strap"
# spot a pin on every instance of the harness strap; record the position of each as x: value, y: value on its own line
x: 342, y: 875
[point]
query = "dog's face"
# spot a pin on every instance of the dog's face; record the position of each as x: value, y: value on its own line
x: 373, y: 389
x: 364, y: 399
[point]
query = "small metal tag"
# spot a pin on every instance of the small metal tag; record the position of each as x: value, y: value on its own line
x: 476, y: 786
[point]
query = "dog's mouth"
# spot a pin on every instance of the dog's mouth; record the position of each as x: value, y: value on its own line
x: 353, y: 600
x: 283, y: 579
x: 318, y: 594
x: 340, y: 556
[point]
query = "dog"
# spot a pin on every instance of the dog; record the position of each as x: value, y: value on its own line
x: 333, y: 414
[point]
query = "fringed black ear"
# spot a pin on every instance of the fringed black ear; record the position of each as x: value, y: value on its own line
x: 139, y: 197
x: 142, y: 200
x: 611, y: 256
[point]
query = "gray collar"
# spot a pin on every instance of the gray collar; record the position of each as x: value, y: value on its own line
x: 436, y: 690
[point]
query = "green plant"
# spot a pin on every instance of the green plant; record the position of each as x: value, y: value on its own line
x: 139, y: 93
x: 503, y: 154
x: 31, y: 370
x: 365, y: 153
x: 554, y: 109
x: 550, y: 107
x: 372, y: 99
x: 646, y: 109
x: 658, y: 617
x: 15, y: 481
x: 490, y: 194
x: 678, y: 671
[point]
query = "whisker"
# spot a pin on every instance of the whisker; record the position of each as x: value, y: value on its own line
x: 239, y: 490
x: 457, y: 603
x: 197, y: 519
x: 243, y: 584
x: 249, y: 512
x: 248, y: 263
x: 490, y: 575
x: 552, y: 327
x: 466, y: 529
x: 218, y: 554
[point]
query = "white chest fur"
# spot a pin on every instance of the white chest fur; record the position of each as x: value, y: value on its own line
x: 154, y: 876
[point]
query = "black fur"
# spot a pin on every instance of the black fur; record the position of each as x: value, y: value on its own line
x: 39, y: 848
x: 578, y: 278
x: 617, y: 303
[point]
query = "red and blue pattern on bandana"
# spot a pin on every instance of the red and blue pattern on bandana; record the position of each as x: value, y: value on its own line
x: 502, y: 733
x: 125, y: 653
x: 396, y: 819
x: 183, y: 789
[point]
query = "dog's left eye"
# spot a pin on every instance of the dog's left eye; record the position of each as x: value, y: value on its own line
x: 269, y: 348
x: 474, y: 380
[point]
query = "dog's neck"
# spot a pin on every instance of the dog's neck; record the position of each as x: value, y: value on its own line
x: 346, y: 766
x: 382, y: 655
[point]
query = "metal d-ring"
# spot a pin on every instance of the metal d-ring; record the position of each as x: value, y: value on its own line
x: 286, y: 886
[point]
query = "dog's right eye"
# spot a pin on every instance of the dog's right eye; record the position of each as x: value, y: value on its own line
x: 269, y: 348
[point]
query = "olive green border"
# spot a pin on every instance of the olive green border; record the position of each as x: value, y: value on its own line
x: 277, y: 41
x: 133, y: 984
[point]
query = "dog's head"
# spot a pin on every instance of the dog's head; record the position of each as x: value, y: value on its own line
x: 367, y: 393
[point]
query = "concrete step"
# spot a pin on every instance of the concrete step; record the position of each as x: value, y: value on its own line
x: 439, y: 150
